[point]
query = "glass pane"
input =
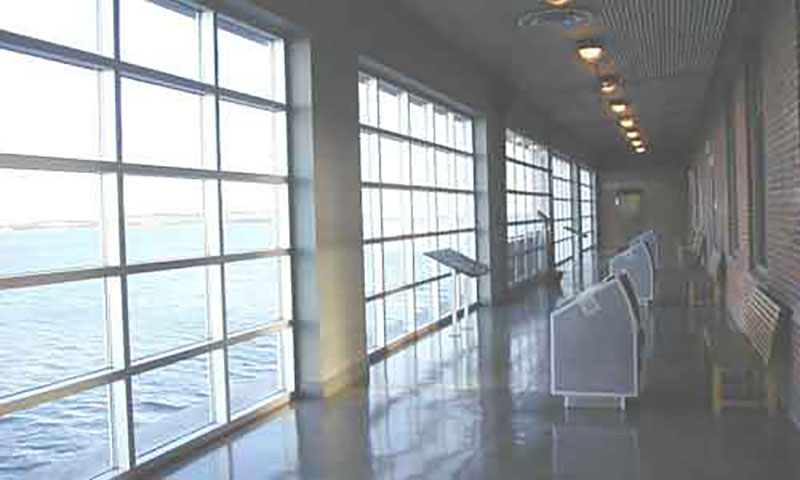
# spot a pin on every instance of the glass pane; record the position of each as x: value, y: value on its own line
x: 256, y: 216
x: 397, y: 214
x: 371, y: 212
x: 445, y: 169
x: 68, y: 438
x: 586, y: 193
x: 445, y: 296
x: 465, y: 172
x: 423, y: 165
x: 162, y: 35
x: 399, y: 314
x: 368, y: 99
x: 373, y: 269
x: 164, y: 218
x: 251, y: 62
x: 421, y: 119
x: 511, y: 171
x: 446, y: 210
x: 424, y: 212
x: 171, y: 402
x: 425, y: 304
x: 466, y: 211
x: 540, y: 156
x: 252, y: 140
x: 511, y: 208
x: 49, y: 108
x: 54, y: 224
x: 466, y: 244
x: 254, y: 291
x: 424, y: 266
x: 397, y: 264
x: 463, y: 133
x: 172, y: 137
x: 51, y: 333
x: 72, y: 23
x: 374, y: 314
x: 393, y: 108
x: 561, y: 168
x: 541, y: 182
x: 167, y: 310
x: 370, y: 158
x: 443, y: 124
x: 395, y: 166
x: 254, y: 374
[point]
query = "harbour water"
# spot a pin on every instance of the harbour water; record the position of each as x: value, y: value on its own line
x: 52, y: 333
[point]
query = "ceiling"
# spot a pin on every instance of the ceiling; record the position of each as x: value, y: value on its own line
x: 664, y: 51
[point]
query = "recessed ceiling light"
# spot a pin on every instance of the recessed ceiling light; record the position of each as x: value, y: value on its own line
x: 558, y: 3
x: 561, y: 15
x: 637, y: 143
x: 641, y: 150
x: 627, y: 122
x: 608, y: 86
x: 590, y: 52
x: 633, y: 134
x: 619, y: 107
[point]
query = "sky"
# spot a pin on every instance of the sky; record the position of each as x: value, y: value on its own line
x: 53, y: 109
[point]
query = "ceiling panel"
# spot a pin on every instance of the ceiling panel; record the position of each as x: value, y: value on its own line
x: 664, y: 50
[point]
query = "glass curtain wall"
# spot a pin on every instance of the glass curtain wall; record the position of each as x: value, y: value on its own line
x: 418, y: 195
x: 527, y: 196
x: 565, y: 212
x: 145, y: 283
x: 588, y: 211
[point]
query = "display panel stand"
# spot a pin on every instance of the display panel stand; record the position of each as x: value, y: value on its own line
x: 459, y: 264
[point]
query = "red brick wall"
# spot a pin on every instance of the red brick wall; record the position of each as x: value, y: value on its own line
x: 774, y: 24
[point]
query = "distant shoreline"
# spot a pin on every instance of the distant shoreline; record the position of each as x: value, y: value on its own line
x: 135, y: 223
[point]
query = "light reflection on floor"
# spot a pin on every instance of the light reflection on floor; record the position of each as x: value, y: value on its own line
x: 477, y: 406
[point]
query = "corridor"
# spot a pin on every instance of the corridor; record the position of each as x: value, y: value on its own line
x: 478, y: 406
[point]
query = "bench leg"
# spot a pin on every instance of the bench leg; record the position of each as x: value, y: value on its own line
x: 771, y: 387
x: 716, y: 390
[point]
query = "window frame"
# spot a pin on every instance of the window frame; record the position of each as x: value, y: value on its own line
x: 436, y: 102
x: 756, y: 130
x: 731, y: 153
x: 525, y: 264
x: 121, y: 368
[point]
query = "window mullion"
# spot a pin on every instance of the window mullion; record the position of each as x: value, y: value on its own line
x: 122, y: 422
x: 215, y: 275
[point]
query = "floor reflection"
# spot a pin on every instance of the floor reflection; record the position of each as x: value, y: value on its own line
x: 476, y: 405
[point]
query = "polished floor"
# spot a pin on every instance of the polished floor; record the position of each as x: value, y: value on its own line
x: 477, y: 406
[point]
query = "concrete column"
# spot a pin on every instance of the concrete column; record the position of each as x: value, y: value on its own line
x: 330, y: 331
x: 490, y: 178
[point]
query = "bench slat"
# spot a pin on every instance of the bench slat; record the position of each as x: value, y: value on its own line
x: 760, y: 320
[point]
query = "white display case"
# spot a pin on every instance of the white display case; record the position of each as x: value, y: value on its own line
x: 595, y: 346
x: 650, y: 238
x: 637, y: 262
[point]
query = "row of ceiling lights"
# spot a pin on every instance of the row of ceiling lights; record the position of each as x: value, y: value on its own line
x: 592, y: 52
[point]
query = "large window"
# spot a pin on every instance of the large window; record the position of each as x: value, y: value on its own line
x: 145, y: 283
x: 733, y: 188
x: 527, y: 199
x: 757, y: 159
x: 587, y: 191
x: 418, y: 195
x: 564, y: 212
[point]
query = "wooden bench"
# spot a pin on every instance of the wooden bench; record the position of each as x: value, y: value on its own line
x: 707, y: 290
x: 741, y: 361
x: 691, y: 254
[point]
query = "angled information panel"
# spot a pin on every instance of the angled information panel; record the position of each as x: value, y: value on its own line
x: 458, y: 262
